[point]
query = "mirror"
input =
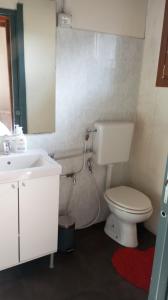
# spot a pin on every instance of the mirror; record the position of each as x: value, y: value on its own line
x: 39, y: 19
x: 5, y: 84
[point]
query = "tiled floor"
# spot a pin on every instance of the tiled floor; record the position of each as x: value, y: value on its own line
x: 86, y: 274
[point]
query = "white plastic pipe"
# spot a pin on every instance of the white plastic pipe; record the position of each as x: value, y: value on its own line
x: 109, y: 176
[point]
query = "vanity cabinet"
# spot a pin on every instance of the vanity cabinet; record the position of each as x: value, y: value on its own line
x: 38, y: 215
x: 8, y: 225
x: 28, y: 220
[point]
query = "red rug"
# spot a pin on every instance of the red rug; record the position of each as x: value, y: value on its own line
x: 134, y: 265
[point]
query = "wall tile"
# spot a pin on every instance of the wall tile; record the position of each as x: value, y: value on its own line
x: 97, y: 79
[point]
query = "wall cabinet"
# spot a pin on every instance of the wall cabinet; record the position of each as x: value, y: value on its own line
x: 29, y: 220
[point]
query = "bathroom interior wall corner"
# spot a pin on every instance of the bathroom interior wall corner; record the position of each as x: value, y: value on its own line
x: 149, y: 155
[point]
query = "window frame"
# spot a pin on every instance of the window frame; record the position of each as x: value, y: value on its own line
x: 162, y: 74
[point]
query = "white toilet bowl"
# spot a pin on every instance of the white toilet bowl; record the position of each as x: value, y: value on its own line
x: 128, y: 207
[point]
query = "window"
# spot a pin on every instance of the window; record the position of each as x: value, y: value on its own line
x: 12, y: 68
x: 162, y: 76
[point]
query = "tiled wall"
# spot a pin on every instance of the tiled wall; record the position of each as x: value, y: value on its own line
x: 97, y: 79
x: 151, y: 137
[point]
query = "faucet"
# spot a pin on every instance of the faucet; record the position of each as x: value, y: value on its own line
x: 6, y: 147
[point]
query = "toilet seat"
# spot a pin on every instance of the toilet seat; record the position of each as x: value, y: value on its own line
x: 128, y: 199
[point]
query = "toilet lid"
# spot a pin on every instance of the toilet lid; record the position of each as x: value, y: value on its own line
x: 129, y: 198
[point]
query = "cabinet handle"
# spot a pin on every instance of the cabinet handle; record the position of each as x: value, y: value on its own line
x: 13, y: 186
x: 23, y: 184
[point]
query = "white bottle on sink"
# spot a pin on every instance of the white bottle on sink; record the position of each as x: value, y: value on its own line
x: 19, y: 141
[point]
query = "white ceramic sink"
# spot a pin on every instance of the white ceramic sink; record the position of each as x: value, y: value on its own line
x: 31, y: 164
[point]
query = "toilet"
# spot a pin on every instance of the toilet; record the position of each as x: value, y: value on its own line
x: 127, y: 206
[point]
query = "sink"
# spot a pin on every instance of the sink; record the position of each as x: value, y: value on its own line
x: 8, y: 163
x: 31, y: 164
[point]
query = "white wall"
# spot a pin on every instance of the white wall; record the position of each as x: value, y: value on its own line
x: 39, y: 38
x: 151, y: 139
x: 97, y: 78
x: 123, y: 17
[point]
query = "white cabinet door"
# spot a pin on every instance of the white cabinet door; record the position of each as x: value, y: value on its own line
x: 38, y: 215
x: 8, y: 225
